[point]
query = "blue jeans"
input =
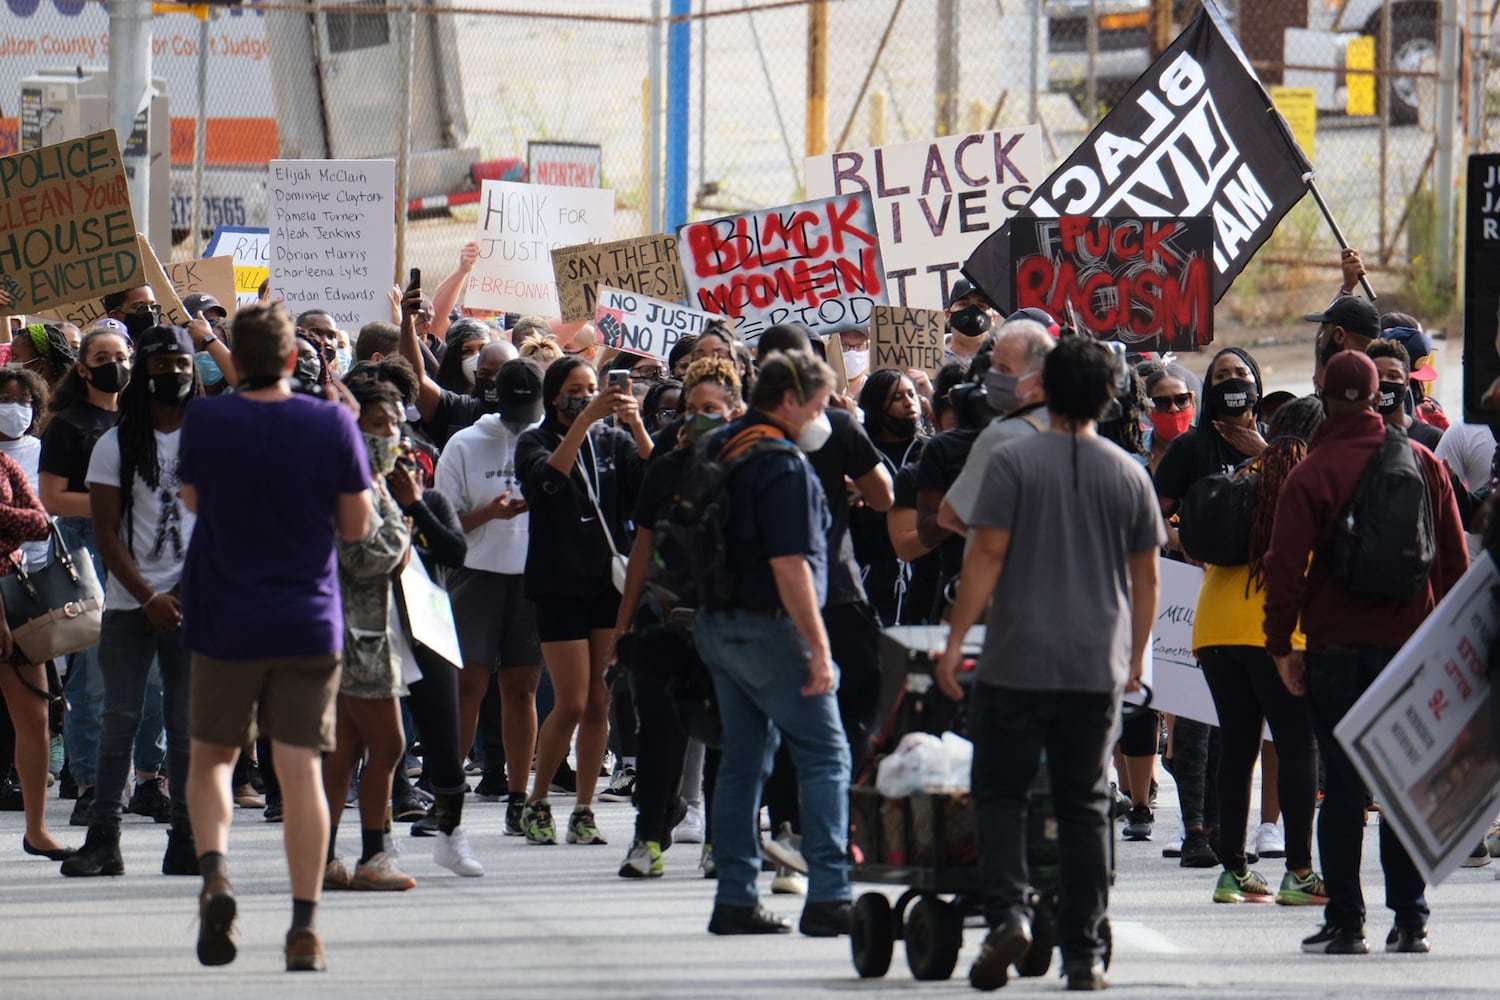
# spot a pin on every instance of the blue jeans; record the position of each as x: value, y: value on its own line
x: 759, y: 665
x: 128, y: 646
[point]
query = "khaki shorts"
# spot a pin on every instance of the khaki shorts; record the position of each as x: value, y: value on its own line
x: 293, y: 699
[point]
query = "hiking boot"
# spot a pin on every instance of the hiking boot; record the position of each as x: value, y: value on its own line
x: 1242, y: 887
x: 83, y: 807
x: 582, y: 829
x: 1333, y: 939
x: 216, y: 911
x: 1004, y: 946
x: 304, y: 951
x: 1408, y: 941
x: 1299, y: 891
x: 454, y: 852
x: 336, y: 875
x: 150, y: 799
x: 536, y: 821
x: 643, y: 861
x: 1197, y: 852
x: 99, y: 855
x: 181, y: 857
x: 380, y: 874
x: 514, y: 807
x: 1139, y: 822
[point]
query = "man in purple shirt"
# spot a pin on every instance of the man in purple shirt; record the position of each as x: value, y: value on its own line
x: 273, y: 478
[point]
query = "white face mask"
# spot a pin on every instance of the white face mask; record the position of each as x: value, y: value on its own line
x: 815, y: 434
x: 14, y: 419
x: 855, y: 363
x: 471, y: 367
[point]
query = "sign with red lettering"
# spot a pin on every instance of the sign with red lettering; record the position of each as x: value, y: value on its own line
x: 564, y: 164
x: 1147, y: 283
x: 816, y: 263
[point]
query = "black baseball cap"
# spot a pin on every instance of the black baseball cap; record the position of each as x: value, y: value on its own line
x: 519, y: 385
x: 166, y: 339
x: 202, y: 302
x: 1352, y: 313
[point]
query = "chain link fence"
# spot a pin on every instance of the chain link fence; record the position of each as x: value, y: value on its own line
x: 1358, y: 78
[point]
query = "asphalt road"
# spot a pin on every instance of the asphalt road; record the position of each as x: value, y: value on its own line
x: 557, y: 922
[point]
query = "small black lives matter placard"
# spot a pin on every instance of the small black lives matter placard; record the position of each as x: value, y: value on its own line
x: 903, y: 338
x: 1482, y: 292
x: 1147, y: 283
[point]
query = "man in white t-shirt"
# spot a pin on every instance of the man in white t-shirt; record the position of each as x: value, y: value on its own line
x: 143, y: 533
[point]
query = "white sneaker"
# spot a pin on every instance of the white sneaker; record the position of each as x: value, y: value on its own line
x: 690, y: 830
x: 1268, y: 842
x: 786, y: 849
x: 1492, y: 842
x: 1174, y: 849
x: 454, y: 852
x: 788, y: 882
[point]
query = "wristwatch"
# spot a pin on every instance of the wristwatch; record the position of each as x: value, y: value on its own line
x: 212, y: 338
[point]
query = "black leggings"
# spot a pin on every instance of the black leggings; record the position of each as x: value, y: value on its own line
x: 1247, y: 693
x: 434, y: 708
x: 1195, y: 754
x: 661, y: 742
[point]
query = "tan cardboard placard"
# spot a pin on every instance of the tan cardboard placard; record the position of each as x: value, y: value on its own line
x: 646, y: 265
x: 66, y: 230
x: 81, y: 314
x: 210, y: 275
x: 902, y: 337
x: 835, y: 352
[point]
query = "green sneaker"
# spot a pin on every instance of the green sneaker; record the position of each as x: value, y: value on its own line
x: 536, y: 821
x: 1242, y: 887
x: 1309, y: 891
x: 643, y: 861
x: 583, y: 830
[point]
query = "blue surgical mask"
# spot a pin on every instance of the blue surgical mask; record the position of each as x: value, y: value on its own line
x: 208, y: 368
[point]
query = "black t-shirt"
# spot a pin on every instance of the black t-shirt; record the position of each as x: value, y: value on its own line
x: 1197, y: 453
x: 849, y: 452
x: 455, y: 411
x: 659, y: 486
x: 942, y: 461
x: 871, y: 537
x: 1424, y: 434
x: 69, y: 442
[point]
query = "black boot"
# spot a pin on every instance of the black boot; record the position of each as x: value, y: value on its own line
x: 182, y: 854
x: 99, y: 855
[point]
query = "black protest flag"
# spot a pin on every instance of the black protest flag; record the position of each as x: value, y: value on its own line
x: 1195, y: 135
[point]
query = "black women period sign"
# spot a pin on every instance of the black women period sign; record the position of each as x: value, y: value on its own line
x: 1147, y: 283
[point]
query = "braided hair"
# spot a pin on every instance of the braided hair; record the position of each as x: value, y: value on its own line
x: 1127, y: 429
x: 1291, y: 430
x: 137, y: 439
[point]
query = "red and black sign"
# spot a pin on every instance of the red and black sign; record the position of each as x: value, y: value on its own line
x: 1147, y: 283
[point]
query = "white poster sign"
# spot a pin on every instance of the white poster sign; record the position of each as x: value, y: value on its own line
x: 333, y: 236
x: 935, y: 201
x: 639, y: 324
x: 251, y: 249
x: 1179, y: 686
x: 519, y: 227
x: 429, y: 613
x: 1421, y: 735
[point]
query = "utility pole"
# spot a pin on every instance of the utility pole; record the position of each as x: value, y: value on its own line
x: 129, y: 95
x: 1447, y: 111
x: 817, y: 78
x: 947, y: 67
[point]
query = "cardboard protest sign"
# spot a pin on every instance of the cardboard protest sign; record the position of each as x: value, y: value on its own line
x: 935, y: 200
x: 645, y: 266
x: 816, y: 263
x: 66, y: 229
x: 333, y: 236
x: 640, y: 324
x: 251, y: 249
x: 82, y: 314
x: 1195, y: 134
x: 1147, y: 283
x: 1421, y: 736
x: 519, y: 227
x: 210, y: 275
x: 902, y: 338
x: 565, y: 164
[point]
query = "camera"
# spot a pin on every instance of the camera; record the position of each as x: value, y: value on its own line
x: 971, y: 406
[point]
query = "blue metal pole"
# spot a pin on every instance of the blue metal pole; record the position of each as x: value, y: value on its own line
x: 679, y: 78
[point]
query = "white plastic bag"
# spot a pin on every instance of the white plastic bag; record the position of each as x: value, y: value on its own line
x: 900, y: 774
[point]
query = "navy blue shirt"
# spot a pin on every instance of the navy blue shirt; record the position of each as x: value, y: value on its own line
x: 776, y: 508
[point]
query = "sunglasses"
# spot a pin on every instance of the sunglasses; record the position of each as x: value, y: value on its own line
x: 646, y: 373
x: 1177, y: 401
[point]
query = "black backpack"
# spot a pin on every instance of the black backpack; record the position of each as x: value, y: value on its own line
x: 1384, y: 543
x: 690, y: 558
x: 1214, y: 522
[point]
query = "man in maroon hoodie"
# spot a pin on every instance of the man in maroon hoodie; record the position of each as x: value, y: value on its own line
x: 1350, y: 639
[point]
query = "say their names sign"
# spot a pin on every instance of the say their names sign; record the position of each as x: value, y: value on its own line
x: 639, y: 324
x: 902, y: 337
x: 519, y: 227
x: 816, y: 263
x: 644, y: 266
x: 333, y: 236
x: 934, y: 200
x: 66, y: 229
x: 1147, y: 283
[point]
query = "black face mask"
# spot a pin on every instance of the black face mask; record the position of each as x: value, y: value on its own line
x: 973, y: 321
x: 487, y: 392
x: 110, y: 377
x: 137, y: 323
x: 1231, y: 398
x: 307, y: 371
x: 902, y: 427
x: 1392, y: 396
x: 171, y: 388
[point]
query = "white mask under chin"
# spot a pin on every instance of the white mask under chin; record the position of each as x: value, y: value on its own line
x: 815, y: 434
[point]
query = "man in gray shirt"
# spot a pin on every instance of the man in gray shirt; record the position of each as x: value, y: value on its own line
x: 1066, y: 533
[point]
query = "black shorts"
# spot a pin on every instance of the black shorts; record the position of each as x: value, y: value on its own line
x: 570, y: 618
x: 496, y: 621
x: 1140, y: 735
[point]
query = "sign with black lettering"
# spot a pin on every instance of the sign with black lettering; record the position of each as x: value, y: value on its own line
x: 935, y: 200
x: 66, y: 230
x: 638, y: 324
x: 251, y: 249
x: 903, y: 338
x: 1147, y: 283
x: 519, y: 227
x: 1196, y: 134
x: 1482, y: 292
x: 645, y: 266
x: 86, y: 311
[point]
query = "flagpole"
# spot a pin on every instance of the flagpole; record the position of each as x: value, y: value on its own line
x: 1338, y: 234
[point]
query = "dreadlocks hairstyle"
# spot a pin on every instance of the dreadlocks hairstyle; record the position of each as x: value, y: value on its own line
x: 372, y: 392
x: 395, y: 370
x: 137, y: 436
x: 1127, y: 429
x: 1291, y: 430
x: 73, y: 389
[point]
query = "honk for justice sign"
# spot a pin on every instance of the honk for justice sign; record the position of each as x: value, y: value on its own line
x: 66, y: 231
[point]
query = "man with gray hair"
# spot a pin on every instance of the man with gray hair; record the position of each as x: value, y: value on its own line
x: 1014, y: 387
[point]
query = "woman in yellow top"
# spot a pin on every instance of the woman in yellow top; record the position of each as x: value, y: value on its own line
x: 1230, y: 644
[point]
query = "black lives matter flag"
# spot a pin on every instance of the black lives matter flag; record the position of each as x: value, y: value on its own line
x: 1195, y: 135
